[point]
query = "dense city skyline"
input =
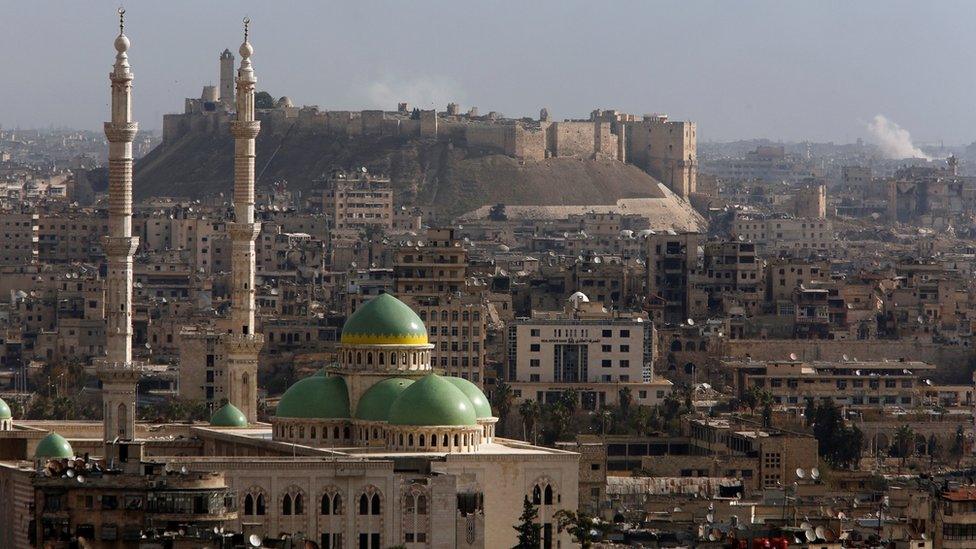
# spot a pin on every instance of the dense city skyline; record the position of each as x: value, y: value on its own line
x: 834, y: 67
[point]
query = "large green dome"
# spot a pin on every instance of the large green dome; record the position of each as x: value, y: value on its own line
x: 384, y: 320
x: 5, y: 410
x: 315, y: 397
x: 433, y: 400
x: 375, y: 403
x: 481, y: 406
x: 53, y: 446
x: 228, y: 416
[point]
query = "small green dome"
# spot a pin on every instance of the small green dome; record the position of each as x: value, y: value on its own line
x: 5, y: 410
x: 228, y: 416
x: 433, y: 400
x: 481, y: 406
x: 375, y: 403
x: 315, y: 397
x: 53, y: 446
x: 384, y: 320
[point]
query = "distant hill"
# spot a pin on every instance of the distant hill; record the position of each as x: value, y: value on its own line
x: 448, y: 177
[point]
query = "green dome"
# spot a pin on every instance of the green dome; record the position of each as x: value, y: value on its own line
x: 433, y: 400
x: 315, y: 397
x: 384, y: 320
x: 481, y: 407
x: 53, y: 446
x: 228, y: 416
x: 5, y: 410
x: 375, y: 403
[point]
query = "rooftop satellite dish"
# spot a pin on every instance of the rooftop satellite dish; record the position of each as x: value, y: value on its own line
x: 815, y: 473
x: 70, y: 473
x: 806, y: 526
x: 845, y: 358
x: 819, y: 532
x: 792, y: 356
x: 255, y: 540
x: 677, y: 509
x: 184, y: 470
x: 800, y: 473
x: 857, y: 372
x: 810, y: 534
x: 711, y: 536
x: 80, y: 479
x: 841, y: 515
x: 710, y: 518
x: 691, y: 322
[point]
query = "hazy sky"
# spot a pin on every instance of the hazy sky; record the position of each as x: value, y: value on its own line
x: 780, y: 69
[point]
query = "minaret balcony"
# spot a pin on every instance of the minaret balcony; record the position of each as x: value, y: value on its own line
x: 243, y: 231
x: 121, y: 132
x: 242, y: 343
x: 244, y: 129
x: 119, y: 246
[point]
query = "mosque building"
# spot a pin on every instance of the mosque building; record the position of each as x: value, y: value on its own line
x: 377, y: 450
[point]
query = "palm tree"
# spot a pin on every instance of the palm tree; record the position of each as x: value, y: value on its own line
x: 904, y: 442
x: 501, y: 401
x: 529, y: 410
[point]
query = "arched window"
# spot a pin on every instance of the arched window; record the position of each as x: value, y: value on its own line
x: 382, y: 357
x: 249, y: 504
x: 445, y: 441
x: 337, y: 505
x: 393, y: 360
x: 455, y: 440
x: 374, y: 507
x: 421, y: 504
x: 363, y: 505
x: 122, y: 415
x: 345, y: 433
x: 433, y: 440
x: 369, y: 358
x: 326, y: 504
x: 702, y: 346
x: 537, y: 495
x: 410, y: 439
x: 335, y: 432
x: 548, y: 495
x: 259, y: 505
x: 421, y: 440
x: 359, y: 358
x: 676, y: 345
x: 286, y: 505
x: 299, y: 504
x: 314, y: 431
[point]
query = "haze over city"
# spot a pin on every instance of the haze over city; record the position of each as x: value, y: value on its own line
x: 816, y: 71
x: 445, y: 275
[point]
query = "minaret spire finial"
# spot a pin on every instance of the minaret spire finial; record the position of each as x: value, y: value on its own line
x: 247, y: 23
x: 121, y: 20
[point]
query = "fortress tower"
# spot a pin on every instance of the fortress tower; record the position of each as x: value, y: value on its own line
x: 241, y: 343
x: 227, y: 78
x: 118, y: 373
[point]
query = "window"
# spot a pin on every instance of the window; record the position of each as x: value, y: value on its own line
x: 606, y: 363
x: 534, y: 332
x: 535, y: 348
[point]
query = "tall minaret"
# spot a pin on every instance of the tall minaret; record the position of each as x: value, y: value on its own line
x: 118, y: 373
x: 242, y: 344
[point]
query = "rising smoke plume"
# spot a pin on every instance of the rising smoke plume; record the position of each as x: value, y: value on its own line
x: 895, y: 142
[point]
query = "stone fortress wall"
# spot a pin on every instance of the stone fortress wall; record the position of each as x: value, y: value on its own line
x: 663, y: 148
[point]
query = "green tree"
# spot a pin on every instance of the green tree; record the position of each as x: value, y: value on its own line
x: 501, y: 402
x: 497, y: 213
x: 958, y: 448
x: 579, y: 525
x: 626, y: 399
x: 529, y: 411
x: 263, y: 100
x: 767, y: 415
x: 837, y: 443
x: 528, y: 529
x: 904, y: 443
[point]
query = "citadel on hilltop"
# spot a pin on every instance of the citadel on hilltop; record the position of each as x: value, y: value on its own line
x: 666, y: 149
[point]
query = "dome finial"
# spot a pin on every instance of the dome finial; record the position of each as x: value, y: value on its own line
x: 246, y: 49
x: 121, y: 42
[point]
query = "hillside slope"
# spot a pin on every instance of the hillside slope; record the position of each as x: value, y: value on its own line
x: 446, y: 177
